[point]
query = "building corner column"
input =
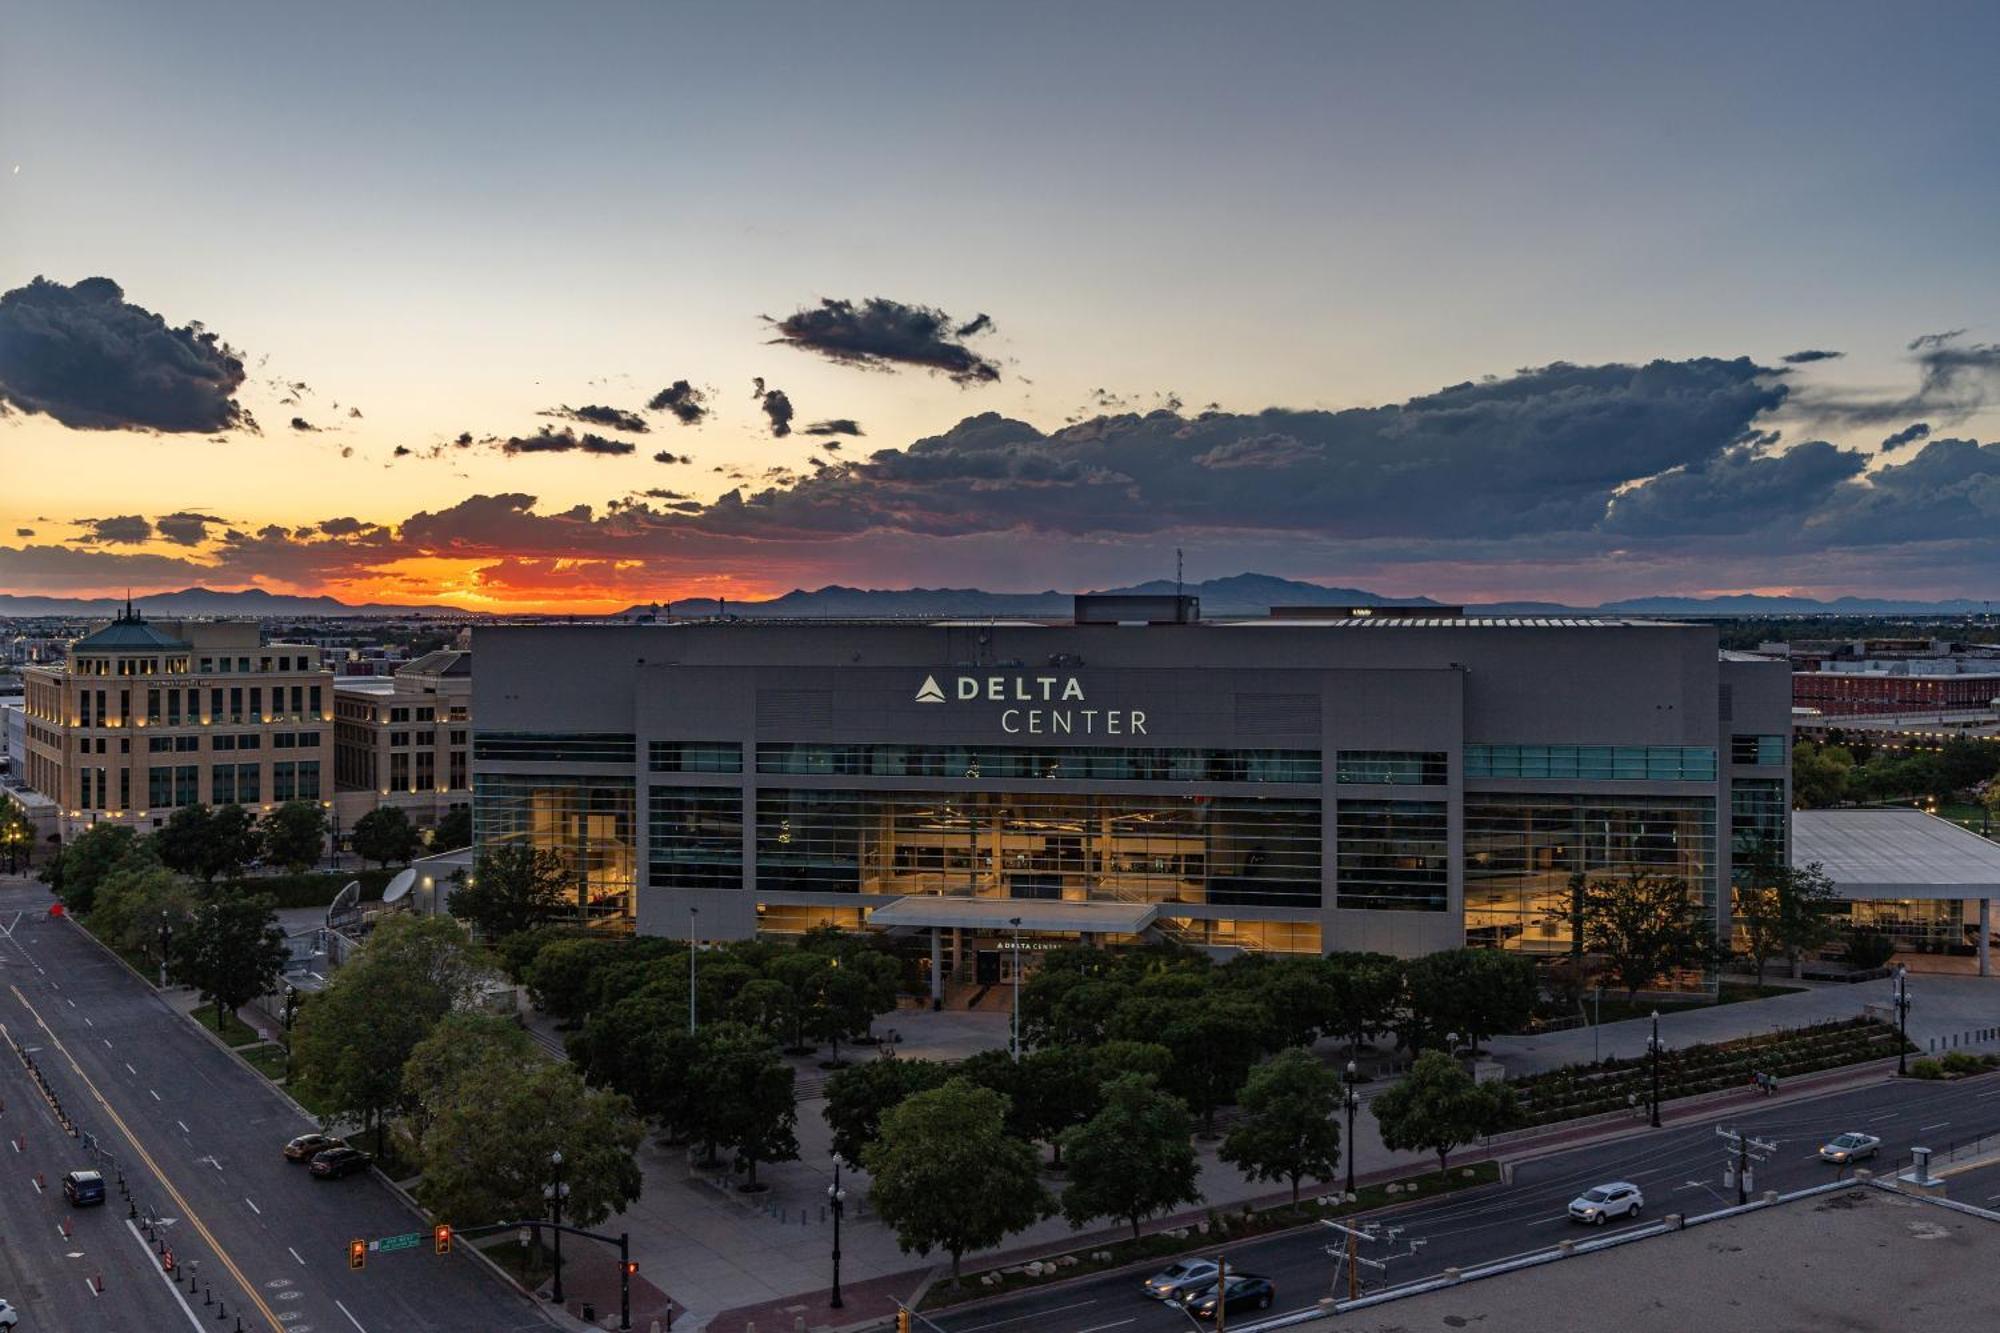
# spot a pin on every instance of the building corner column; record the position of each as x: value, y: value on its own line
x: 1985, y: 937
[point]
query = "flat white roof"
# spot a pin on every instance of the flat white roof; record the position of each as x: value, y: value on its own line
x: 999, y: 913
x: 1896, y: 854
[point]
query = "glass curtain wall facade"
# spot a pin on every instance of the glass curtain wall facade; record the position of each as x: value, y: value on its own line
x: 585, y: 820
x: 1522, y: 850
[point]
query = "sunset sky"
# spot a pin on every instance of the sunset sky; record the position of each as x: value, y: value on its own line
x: 1567, y: 302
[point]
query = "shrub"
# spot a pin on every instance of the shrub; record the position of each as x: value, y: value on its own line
x: 1867, y: 949
x: 1962, y: 1062
x: 1926, y: 1069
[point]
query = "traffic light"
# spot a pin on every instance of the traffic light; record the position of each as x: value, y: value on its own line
x: 631, y: 1268
x: 441, y: 1237
x: 357, y: 1253
x: 902, y: 1320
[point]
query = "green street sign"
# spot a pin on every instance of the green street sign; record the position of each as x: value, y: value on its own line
x: 409, y: 1240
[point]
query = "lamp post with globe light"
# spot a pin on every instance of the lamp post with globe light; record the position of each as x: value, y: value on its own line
x: 838, y: 1198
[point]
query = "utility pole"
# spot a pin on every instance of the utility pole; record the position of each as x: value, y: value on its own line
x: 1653, y: 1045
x: 1350, y: 1098
x: 1743, y: 1151
x: 1902, y: 1019
x: 1221, y: 1293
x: 1351, y: 1258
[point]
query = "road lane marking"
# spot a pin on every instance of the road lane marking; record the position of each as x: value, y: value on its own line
x: 106, y: 1041
x: 1099, y: 1328
x: 253, y: 1205
x: 183, y: 1125
x: 128, y: 1068
x: 350, y: 1316
x: 1015, y: 1319
x: 1942, y: 1124
x: 172, y: 1285
x: 87, y: 1023
x: 295, y: 1255
x: 166, y: 1183
x: 1886, y: 1115
x: 1986, y: 1096
x: 155, y: 1095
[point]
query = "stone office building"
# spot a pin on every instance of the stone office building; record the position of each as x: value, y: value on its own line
x: 1297, y: 784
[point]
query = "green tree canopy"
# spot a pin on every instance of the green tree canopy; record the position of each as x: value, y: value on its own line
x: 513, y: 888
x: 231, y: 950
x: 946, y: 1174
x: 134, y: 901
x: 1473, y: 992
x: 208, y: 844
x: 1367, y: 989
x: 1784, y: 911
x: 858, y: 1097
x: 461, y: 1042
x: 295, y: 834
x: 640, y: 1046
x: 1437, y: 1108
x: 385, y: 834
x: 1133, y: 1158
x: 746, y: 1104
x: 1819, y: 775
x: 76, y: 871
x: 1287, y: 1129
x: 1646, y: 927
x: 454, y: 830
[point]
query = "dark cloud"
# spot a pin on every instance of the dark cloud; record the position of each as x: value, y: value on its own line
x: 1928, y: 340
x: 1955, y: 380
x: 594, y: 414
x: 1735, y: 491
x: 776, y: 406
x: 186, y: 528
x: 354, y: 412
x: 831, y: 446
x: 688, y: 404
x: 834, y: 426
x: 124, y: 530
x: 94, y: 361
x: 882, y: 334
x: 980, y: 323
x: 402, y: 451
x: 564, y: 441
x: 668, y: 456
x: 1810, y: 355
x: 1260, y: 451
x: 342, y: 527
x: 24, y: 532
x: 658, y: 494
x: 1907, y: 435
x: 300, y: 423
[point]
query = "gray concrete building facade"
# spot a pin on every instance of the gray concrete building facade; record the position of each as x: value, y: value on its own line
x: 1387, y: 783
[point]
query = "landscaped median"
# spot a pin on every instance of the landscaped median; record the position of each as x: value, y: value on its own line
x: 1217, y: 1227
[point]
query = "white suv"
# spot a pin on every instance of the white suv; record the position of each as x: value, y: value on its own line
x: 9, y: 1316
x: 1621, y: 1198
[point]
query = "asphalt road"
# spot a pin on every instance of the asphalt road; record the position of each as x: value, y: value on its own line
x: 197, y: 1137
x: 1678, y: 1168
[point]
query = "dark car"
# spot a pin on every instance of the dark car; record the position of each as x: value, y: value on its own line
x: 83, y: 1188
x: 1244, y: 1292
x: 308, y: 1146
x: 337, y: 1162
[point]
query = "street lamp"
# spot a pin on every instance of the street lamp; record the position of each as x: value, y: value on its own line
x: 556, y: 1193
x: 1015, y: 922
x: 838, y: 1198
x: 1902, y: 1019
x: 1351, y: 1099
x: 291, y: 1004
x: 1653, y: 1047
x: 166, y: 943
x: 693, y: 912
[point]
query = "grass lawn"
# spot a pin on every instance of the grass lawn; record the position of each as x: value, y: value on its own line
x: 271, y: 1060
x: 233, y: 1029
x: 1225, y: 1226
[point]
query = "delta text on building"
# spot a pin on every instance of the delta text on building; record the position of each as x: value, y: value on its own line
x: 1307, y: 782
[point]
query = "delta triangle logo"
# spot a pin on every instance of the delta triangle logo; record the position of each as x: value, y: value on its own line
x: 930, y: 692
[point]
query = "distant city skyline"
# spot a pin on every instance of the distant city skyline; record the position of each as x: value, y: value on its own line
x: 540, y: 309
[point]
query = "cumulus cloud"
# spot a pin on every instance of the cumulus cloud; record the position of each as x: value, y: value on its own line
x: 92, y: 360
x: 688, y: 404
x: 1260, y: 451
x: 668, y: 456
x: 186, y: 528
x: 1810, y: 355
x: 300, y: 423
x: 564, y: 441
x: 1955, y: 380
x: 124, y: 530
x: 834, y: 426
x: 777, y: 407
x: 881, y: 334
x: 1907, y: 435
x: 595, y: 414
x: 24, y: 532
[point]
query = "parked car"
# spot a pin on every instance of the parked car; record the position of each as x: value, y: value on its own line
x: 9, y: 1316
x: 1243, y: 1291
x: 308, y: 1146
x: 84, y: 1189
x: 1849, y: 1147
x: 1180, y: 1278
x: 1621, y: 1198
x: 337, y: 1162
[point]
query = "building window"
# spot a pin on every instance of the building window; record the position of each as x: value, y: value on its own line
x: 1637, y: 763
x: 694, y: 838
x: 1757, y: 825
x: 694, y: 756
x: 1391, y: 768
x: 399, y: 772
x: 1393, y: 856
x: 308, y: 787
x: 587, y: 821
x: 1764, y: 751
x: 248, y: 784
x: 159, y: 788
x: 551, y: 747
x: 1009, y: 763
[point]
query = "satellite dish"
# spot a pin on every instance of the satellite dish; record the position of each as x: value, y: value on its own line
x: 399, y: 887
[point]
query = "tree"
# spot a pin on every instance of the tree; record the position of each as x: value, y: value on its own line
x: 385, y: 834
x: 1366, y: 988
x: 76, y: 871
x: 295, y: 835
x: 562, y: 977
x: 1784, y: 911
x: 17, y: 834
x: 135, y: 901
x: 232, y: 950
x: 1215, y: 1040
x: 351, y: 1041
x: 747, y: 1102
x: 513, y: 888
x: 207, y: 844
x: 767, y: 1004
x: 182, y: 843
x: 1287, y: 1131
x: 1437, y: 1107
x: 1646, y: 926
x: 1819, y: 775
x: 1473, y: 992
x: 1298, y: 993
x: 1058, y: 1089
x: 640, y: 1046
x: 844, y: 1005
x: 454, y: 830
x: 946, y: 1175
x: 460, y: 1042
x: 489, y: 1152
x: 858, y: 1097
x: 1133, y: 1158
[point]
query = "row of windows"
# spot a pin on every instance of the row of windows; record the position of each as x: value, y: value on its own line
x: 1758, y: 821
x: 1393, y: 855
x: 586, y: 821
x: 1644, y: 763
x: 283, y: 740
x: 1391, y: 768
x: 1768, y: 751
x: 1011, y: 762
x: 551, y: 747
x: 177, y: 707
x: 694, y: 756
